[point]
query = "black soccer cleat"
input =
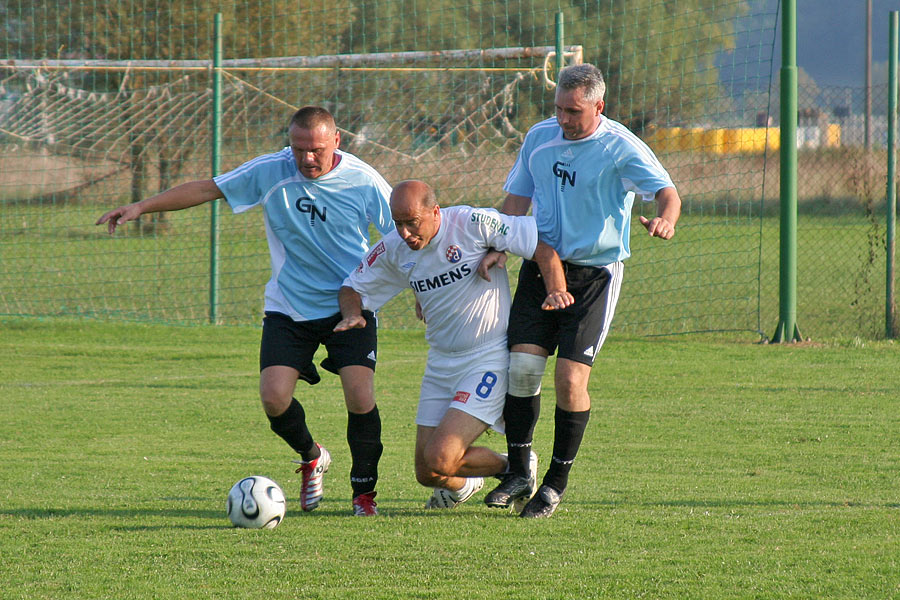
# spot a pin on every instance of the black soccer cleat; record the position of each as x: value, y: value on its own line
x: 543, y: 504
x: 512, y: 489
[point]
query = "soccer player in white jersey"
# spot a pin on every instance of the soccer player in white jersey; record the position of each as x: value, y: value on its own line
x: 580, y: 173
x: 436, y: 252
x: 317, y: 204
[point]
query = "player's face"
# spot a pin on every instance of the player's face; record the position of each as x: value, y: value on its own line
x: 578, y: 117
x: 314, y: 149
x: 416, y: 224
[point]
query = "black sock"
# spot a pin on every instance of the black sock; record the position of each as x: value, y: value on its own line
x: 521, y: 415
x: 568, y: 433
x: 364, y: 438
x: 291, y: 427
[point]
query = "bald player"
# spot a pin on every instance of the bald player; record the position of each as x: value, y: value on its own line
x: 435, y: 252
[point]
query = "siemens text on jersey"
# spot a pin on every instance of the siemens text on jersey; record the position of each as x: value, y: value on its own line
x: 439, y: 281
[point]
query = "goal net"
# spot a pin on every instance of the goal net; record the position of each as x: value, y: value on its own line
x: 88, y: 135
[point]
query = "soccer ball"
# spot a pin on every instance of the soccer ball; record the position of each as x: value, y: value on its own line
x: 255, y: 502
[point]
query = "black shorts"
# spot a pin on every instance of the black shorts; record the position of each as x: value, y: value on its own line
x: 578, y: 330
x: 290, y: 343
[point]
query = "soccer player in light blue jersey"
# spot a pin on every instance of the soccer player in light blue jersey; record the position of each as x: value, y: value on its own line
x: 580, y: 173
x: 317, y: 204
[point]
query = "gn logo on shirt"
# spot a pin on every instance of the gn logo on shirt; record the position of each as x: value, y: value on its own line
x: 564, y: 175
x: 305, y: 205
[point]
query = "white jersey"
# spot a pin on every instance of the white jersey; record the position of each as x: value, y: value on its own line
x: 462, y: 310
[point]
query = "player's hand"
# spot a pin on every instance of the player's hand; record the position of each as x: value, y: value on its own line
x: 557, y: 300
x: 420, y: 315
x: 658, y: 227
x: 352, y: 322
x: 493, y: 258
x: 120, y: 215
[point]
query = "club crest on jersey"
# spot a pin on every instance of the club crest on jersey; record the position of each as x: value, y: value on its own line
x: 454, y: 254
x: 461, y: 397
x: 375, y: 253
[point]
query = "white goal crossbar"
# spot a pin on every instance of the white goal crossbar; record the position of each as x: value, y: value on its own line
x: 573, y: 55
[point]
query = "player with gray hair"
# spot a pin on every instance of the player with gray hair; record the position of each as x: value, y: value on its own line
x: 585, y: 76
x: 580, y: 173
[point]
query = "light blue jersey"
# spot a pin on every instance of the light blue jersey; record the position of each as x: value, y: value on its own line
x: 582, y: 190
x: 317, y: 229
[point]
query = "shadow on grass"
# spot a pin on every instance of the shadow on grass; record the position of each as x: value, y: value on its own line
x: 120, y: 513
x: 409, y: 507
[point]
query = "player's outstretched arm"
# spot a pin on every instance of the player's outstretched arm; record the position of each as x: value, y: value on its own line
x: 179, y: 197
x: 554, y: 277
x: 668, y: 210
x: 351, y: 309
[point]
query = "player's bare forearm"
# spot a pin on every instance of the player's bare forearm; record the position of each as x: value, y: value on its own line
x: 668, y: 211
x: 179, y: 197
x: 516, y: 205
x: 554, y: 277
x: 668, y: 205
x: 351, y: 309
x: 493, y: 258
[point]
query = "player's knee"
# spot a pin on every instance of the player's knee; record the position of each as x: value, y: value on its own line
x: 525, y: 374
x: 426, y: 476
x: 441, y: 461
x: 275, y: 398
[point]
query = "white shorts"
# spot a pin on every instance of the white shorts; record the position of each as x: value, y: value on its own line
x: 474, y: 382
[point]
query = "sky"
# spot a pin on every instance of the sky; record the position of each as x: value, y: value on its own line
x: 831, y: 37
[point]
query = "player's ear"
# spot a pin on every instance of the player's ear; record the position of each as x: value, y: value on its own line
x: 337, y: 138
x: 600, y: 106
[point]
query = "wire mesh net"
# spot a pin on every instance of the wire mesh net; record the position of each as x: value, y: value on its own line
x: 100, y: 105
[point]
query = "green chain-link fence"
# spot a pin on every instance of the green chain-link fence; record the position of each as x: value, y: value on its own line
x: 101, y: 104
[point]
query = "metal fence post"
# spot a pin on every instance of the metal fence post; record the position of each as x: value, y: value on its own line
x: 891, y: 198
x: 214, y: 167
x: 787, y: 330
x: 560, y: 47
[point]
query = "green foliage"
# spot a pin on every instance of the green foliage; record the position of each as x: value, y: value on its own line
x: 169, y: 29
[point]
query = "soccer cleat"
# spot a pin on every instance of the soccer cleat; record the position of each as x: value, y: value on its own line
x: 311, y: 489
x: 364, y: 505
x: 543, y: 504
x: 444, y: 498
x: 514, y: 490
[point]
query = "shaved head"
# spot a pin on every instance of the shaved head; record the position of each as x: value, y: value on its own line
x: 416, y: 213
x: 413, y: 191
x: 313, y: 117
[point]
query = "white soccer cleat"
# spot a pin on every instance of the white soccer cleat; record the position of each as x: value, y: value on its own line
x: 444, y: 498
x: 311, y: 488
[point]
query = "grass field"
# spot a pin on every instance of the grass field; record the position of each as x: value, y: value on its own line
x: 711, y: 468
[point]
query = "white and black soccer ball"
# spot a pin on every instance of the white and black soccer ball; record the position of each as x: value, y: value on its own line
x: 256, y: 502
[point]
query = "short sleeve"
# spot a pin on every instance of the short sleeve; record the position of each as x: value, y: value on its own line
x: 376, y: 279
